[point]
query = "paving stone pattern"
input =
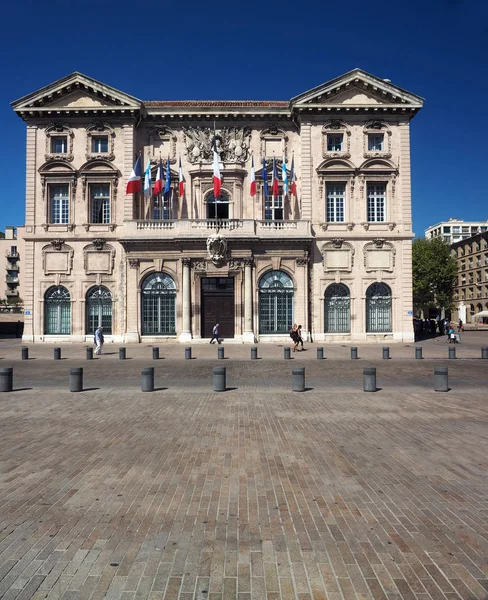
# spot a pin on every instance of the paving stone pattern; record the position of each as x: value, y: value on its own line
x: 257, y: 492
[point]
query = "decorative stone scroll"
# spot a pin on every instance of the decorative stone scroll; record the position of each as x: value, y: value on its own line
x: 337, y: 255
x: 57, y: 258
x: 379, y: 255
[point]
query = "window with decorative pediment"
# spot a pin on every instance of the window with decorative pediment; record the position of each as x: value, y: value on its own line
x: 100, y: 142
x: 336, y: 139
x: 376, y: 140
x: 59, y: 142
x: 99, y: 183
x: 336, y: 188
x: 58, y: 189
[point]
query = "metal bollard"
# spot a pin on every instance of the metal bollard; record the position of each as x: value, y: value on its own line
x: 89, y: 354
x: 386, y: 353
x: 320, y: 353
x: 287, y: 353
x: 441, y: 379
x: 220, y: 353
x: 76, y: 379
x: 484, y: 352
x: 369, y: 379
x: 188, y: 353
x: 6, y: 379
x: 147, y: 384
x: 25, y: 353
x: 254, y: 353
x: 121, y: 353
x: 354, y: 353
x: 418, y: 352
x: 452, y: 352
x: 298, y: 379
x: 155, y: 353
x: 219, y: 375
x: 57, y: 353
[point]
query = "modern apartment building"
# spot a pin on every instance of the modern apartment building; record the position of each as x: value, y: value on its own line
x: 11, y: 256
x: 335, y: 257
x: 455, y: 230
x: 471, y: 294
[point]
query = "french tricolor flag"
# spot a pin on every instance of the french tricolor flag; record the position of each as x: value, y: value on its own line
x: 217, y: 180
x: 181, y: 180
x: 134, y: 183
x: 253, y: 178
x: 275, y: 189
x: 293, y: 178
x: 158, y: 185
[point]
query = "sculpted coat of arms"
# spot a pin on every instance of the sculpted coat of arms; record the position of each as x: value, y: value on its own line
x: 217, y: 249
x: 232, y: 144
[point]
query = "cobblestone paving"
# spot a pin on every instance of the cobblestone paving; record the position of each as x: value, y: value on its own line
x: 257, y: 492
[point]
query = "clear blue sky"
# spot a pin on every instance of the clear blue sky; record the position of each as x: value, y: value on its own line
x: 437, y: 49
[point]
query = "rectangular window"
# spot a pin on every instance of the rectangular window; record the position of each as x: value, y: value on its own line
x: 59, y: 203
x: 273, y: 206
x: 376, y: 142
x: 100, y: 144
x: 336, y: 200
x: 100, y: 203
x: 59, y: 144
x: 334, y: 142
x: 376, y: 202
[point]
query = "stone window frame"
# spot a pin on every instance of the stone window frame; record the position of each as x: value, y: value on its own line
x: 99, y: 129
x: 390, y: 180
x: 272, y: 134
x: 109, y: 177
x: 57, y: 178
x: 336, y: 127
x: 348, y: 178
x: 207, y: 191
x: 58, y: 130
x: 376, y: 126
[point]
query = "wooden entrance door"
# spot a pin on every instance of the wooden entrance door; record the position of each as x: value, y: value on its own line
x: 217, y: 306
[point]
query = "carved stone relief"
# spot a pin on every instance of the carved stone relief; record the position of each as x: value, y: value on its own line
x: 59, y: 129
x: 232, y: 144
x: 217, y: 249
x: 337, y: 255
x: 57, y: 258
x: 336, y: 127
x: 163, y: 142
x: 98, y: 129
x: 99, y: 257
x: 379, y: 255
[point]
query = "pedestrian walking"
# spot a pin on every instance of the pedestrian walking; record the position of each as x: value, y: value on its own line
x: 215, y: 333
x: 98, y: 340
x: 299, y: 334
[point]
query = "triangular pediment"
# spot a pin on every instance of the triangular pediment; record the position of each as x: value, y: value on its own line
x: 356, y: 88
x: 73, y: 92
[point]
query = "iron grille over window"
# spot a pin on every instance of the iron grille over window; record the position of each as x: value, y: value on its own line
x: 378, y: 308
x: 99, y: 310
x: 159, y: 305
x: 57, y: 311
x: 337, y: 309
x: 275, y: 303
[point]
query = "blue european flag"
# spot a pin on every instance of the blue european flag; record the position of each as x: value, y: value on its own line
x: 167, y: 185
x: 265, y: 179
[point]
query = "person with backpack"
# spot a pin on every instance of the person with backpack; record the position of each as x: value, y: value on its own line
x: 98, y: 340
x: 294, y: 336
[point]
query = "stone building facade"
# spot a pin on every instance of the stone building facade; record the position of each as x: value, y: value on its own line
x: 471, y: 292
x: 336, y: 258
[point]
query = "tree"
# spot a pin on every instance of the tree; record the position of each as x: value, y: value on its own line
x: 434, y: 273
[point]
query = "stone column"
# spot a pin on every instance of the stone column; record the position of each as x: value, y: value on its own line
x: 248, y: 335
x: 131, y: 333
x: 185, y: 335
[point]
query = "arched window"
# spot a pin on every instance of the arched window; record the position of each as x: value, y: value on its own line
x: 158, y: 305
x: 99, y: 309
x: 275, y: 303
x: 217, y: 208
x: 57, y: 311
x: 337, y: 318
x: 378, y: 308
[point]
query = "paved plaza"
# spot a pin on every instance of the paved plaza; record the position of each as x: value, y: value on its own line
x: 254, y: 493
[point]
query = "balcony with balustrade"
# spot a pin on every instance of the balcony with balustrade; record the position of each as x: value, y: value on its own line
x: 202, y: 228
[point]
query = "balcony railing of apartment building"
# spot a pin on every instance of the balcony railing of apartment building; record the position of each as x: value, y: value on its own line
x: 12, y: 254
x: 10, y: 293
x: 231, y: 227
x: 11, y: 279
